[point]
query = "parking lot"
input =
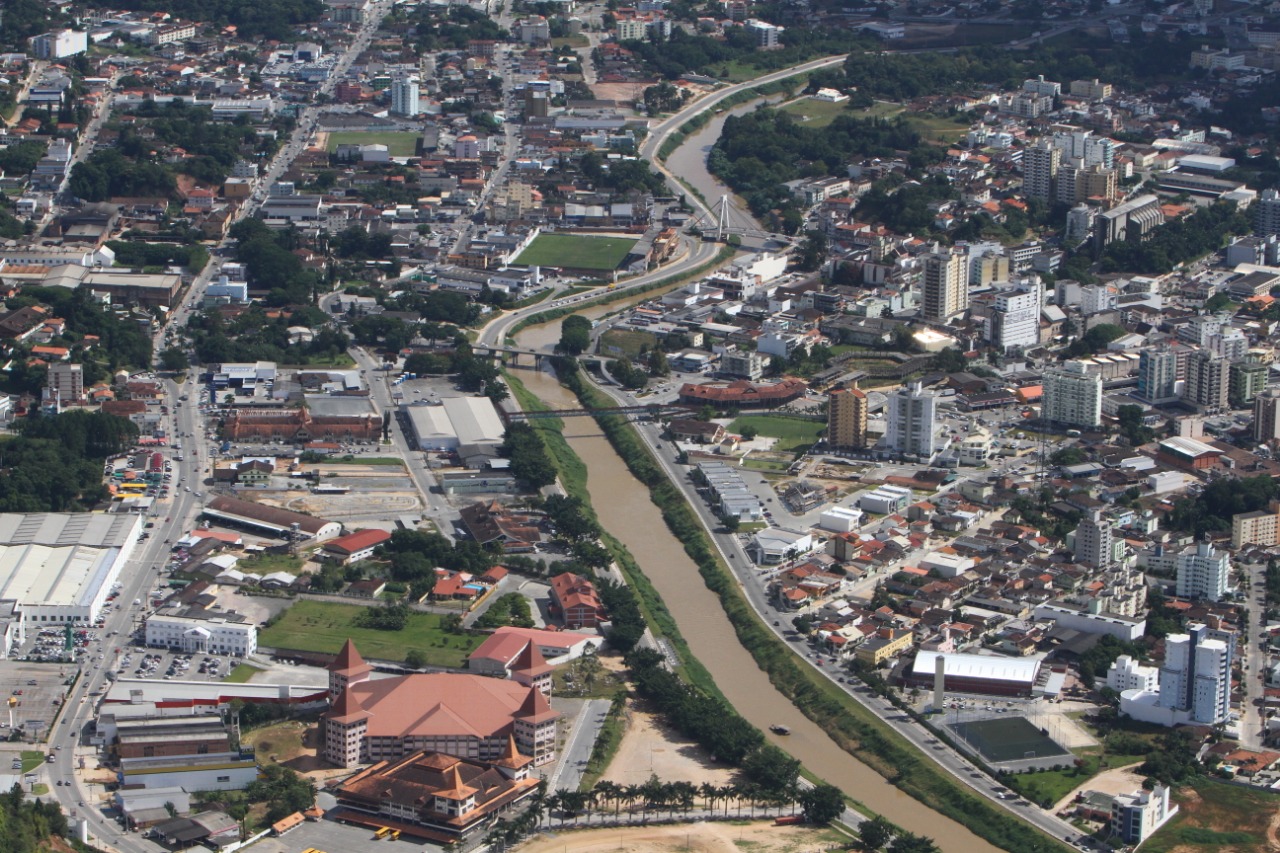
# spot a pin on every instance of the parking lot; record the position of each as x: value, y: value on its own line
x: 165, y: 665
x: 332, y: 837
x: 38, y: 691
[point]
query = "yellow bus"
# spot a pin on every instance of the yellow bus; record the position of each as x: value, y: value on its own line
x: 382, y: 833
x: 395, y: 834
x: 132, y: 486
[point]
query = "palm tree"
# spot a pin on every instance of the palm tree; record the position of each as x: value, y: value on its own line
x: 606, y: 791
x: 727, y: 793
x: 709, y: 793
x: 632, y: 794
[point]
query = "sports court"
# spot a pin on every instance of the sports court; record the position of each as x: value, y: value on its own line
x: 1006, y: 739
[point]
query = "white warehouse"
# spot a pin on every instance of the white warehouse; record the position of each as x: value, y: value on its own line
x: 456, y: 422
x: 59, y: 567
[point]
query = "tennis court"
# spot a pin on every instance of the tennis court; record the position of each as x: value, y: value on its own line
x: 1006, y: 739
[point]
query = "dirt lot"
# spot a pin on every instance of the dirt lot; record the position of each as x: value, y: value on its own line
x: 292, y: 743
x: 716, y: 837
x: 620, y: 92
x: 1122, y: 780
x: 651, y: 747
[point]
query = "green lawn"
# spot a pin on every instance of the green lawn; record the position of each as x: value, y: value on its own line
x: 242, y: 673
x: 793, y: 434
x: 31, y: 759
x: 935, y: 128
x: 576, y: 251
x: 814, y: 113
x: 399, y: 143
x: 1053, y: 785
x: 265, y: 564
x: 626, y: 342
x: 321, y: 626
x: 1215, y: 816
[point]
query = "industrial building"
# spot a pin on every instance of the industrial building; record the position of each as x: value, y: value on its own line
x: 280, y: 522
x: 983, y: 674
x: 59, y: 567
x: 456, y: 422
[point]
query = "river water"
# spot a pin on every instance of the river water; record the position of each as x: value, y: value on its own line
x: 622, y: 504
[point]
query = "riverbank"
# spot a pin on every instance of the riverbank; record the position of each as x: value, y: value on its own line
x: 850, y: 724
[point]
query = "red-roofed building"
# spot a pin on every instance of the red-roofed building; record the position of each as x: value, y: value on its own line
x: 355, y: 547
x: 470, y: 716
x: 575, y: 600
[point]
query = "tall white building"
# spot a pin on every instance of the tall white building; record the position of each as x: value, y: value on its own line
x: 1094, y: 542
x: 1266, y: 212
x: 946, y: 286
x: 912, y: 422
x: 59, y: 44
x: 1081, y: 148
x: 404, y: 96
x: 1204, y: 572
x: 1014, y: 321
x: 1127, y: 674
x: 1040, y: 164
x: 1072, y: 396
x: 1136, y: 817
x: 1158, y: 376
x: 1196, y: 676
x: 1208, y: 383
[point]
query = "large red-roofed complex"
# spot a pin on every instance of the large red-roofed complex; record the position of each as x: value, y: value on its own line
x: 469, y: 716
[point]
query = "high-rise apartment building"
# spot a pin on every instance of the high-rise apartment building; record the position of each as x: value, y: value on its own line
x: 1208, y: 380
x: 1014, y: 321
x: 1040, y: 165
x: 1248, y: 380
x: 1266, y: 416
x: 1094, y: 542
x: 64, y: 383
x: 946, y: 286
x: 1072, y: 396
x: 1080, y: 183
x: 847, y: 419
x: 1204, y: 572
x: 912, y: 422
x: 404, y: 96
x: 1158, y: 376
x: 1260, y: 528
x: 1196, y: 676
x: 1266, y: 212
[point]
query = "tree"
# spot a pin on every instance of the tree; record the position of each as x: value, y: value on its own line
x: 575, y: 335
x: 822, y: 803
x: 415, y: 659
x: 772, y: 769
x: 748, y: 432
x: 174, y: 359
x: 909, y: 842
x: 875, y: 833
x: 1129, y: 421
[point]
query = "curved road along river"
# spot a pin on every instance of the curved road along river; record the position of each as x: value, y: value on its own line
x: 623, y: 506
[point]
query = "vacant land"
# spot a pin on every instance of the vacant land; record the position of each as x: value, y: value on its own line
x: 399, y: 144
x: 731, y: 837
x: 321, y: 626
x: 626, y: 342
x: 792, y: 433
x: 936, y: 128
x: 814, y: 113
x: 1214, y: 816
x: 576, y: 251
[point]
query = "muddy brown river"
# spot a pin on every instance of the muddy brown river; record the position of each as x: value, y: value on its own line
x: 624, y: 509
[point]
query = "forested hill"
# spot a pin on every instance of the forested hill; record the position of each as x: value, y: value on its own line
x: 30, y: 827
x: 272, y: 19
x: 55, y: 465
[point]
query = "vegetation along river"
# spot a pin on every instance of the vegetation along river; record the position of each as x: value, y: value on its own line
x: 622, y: 504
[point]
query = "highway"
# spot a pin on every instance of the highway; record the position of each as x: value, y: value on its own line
x: 180, y: 511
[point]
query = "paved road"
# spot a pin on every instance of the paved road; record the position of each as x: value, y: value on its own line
x: 577, y: 750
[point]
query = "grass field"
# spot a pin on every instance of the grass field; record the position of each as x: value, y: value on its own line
x: 1007, y: 739
x: 321, y: 626
x: 399, y: 144
x: 792, y: 434
x: 242, y: 673
x: 814, y: 113
x: 576, y: 251
x: 1052, y: 785
x: 935, y: 128
x: 31, y: 759
x: 1215, y: 816
x: 626, y: 342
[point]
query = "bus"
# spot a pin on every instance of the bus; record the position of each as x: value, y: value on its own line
x: 382, y: 833
x: 394, y: 836
x: 133, y: 486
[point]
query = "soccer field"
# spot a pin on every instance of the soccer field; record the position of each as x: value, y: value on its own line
x: 1008, y: 739
x: 576, y: 251
x: 399, y: 143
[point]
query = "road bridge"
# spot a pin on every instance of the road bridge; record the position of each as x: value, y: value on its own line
x: 654, y: 411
